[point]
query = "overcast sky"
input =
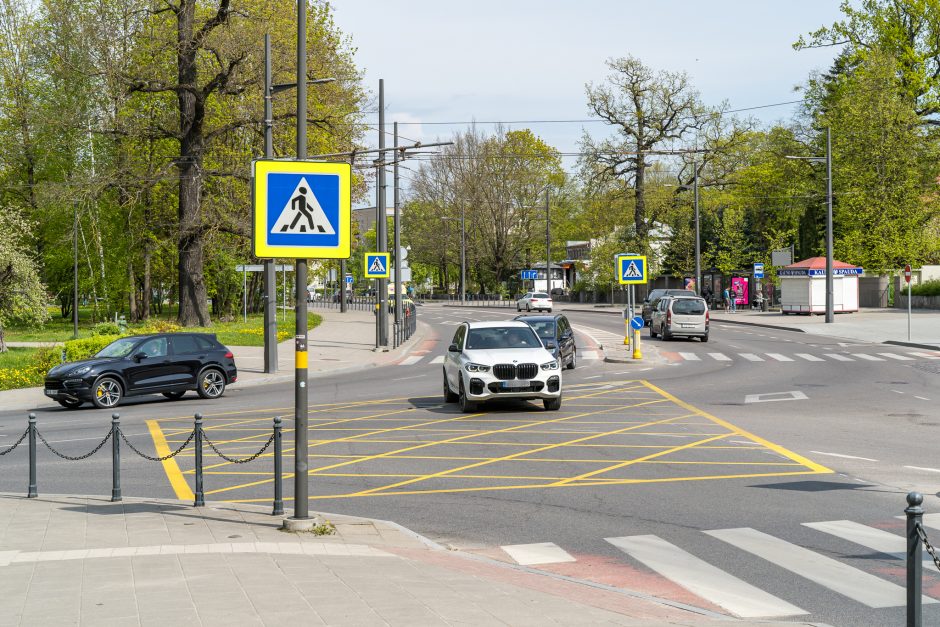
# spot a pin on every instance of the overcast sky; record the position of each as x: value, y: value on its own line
x: 521, y: 60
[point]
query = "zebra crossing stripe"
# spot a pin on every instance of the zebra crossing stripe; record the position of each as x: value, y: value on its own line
x: 538, y: 553
x: 778, y: 357
x: 809, y: 357
x: 719, y: 356
x: 750, y: 357
x: 438, y: 360
x: 868, y: 357
x: 690, y: 356
x: 868, y: 537
x: 825, y: 571
x: 411, y: 360
x: 898, y: 357
x: 927, y: 355
x: 703, y: 579
x: 838, y: 357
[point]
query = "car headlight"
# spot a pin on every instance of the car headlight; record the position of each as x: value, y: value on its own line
x: 471, y: 367
x: 550, y: 365
x: 79, y: 371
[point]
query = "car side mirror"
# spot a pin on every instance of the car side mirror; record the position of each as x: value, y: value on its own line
x: 453, y: 348
x: 139, y: 357
x: 550, y: 346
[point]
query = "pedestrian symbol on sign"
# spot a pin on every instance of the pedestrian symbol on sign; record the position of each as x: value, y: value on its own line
x: 632, y: 271
x: 303, y: 213
x: 377, y: 267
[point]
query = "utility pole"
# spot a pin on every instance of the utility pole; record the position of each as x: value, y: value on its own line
x: 548, y: 247
x: 75, y: 271
x: 381, y: 227
x: 463, y: 254
x: 397, y: 235
x: 270, y: 277
x: 698, y: 236
x: 830, y: 291
x: 301, y: 452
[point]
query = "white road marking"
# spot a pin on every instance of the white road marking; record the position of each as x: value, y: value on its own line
x: 927, y: 355
x: 778, y: 357
x: 597, y: 376
x: 867, y: 459
x: 437, y: 360
x: 795, y: 395
x: 538, y: 553
x: 411, y: 360
x: 751, y: 357
x: 922, y: 468
x: 825, y: 571
x: 690, y: 356
x: 868, y: 537
x: 897, y: 391
x: 703, y: 579
x: 868, y: 357
x: 809, y: 357
x: 898, y: 357
x: 838, y: 357
x: 589, y: 355
x: 719, y: 356
x: 407, y: 378
x: 921, y: 398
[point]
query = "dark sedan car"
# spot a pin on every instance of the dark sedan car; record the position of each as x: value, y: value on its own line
x: 164, y: 363
x: 555, y: 331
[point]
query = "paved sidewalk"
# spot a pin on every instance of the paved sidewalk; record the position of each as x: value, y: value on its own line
x: 341, y: 343
x: 885, y: 326
x: 74, y: 560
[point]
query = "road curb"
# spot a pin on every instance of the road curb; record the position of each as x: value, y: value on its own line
x: 932, y: 347
x: 760, y: 324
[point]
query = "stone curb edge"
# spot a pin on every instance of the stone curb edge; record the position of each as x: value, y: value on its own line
x: 932, y: 347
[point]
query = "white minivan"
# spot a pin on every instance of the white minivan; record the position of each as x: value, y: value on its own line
x: 680, y: 316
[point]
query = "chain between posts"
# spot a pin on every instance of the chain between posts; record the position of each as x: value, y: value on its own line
x: 15, y: 444
x: 157, y: 459
x: 930, y: 549
x: 78, y: 458
x: 232, y: 460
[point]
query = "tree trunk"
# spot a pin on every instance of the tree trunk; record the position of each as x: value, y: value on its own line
x: 193, y: 298
x: 3, y: 340
x: 639, y: 207
x: 131, y: 292
x: 145, y: 297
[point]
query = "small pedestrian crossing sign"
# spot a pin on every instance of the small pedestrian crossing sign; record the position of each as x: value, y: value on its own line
x: 376, y: 266
x: 301, y: 209
x: 631, y: 269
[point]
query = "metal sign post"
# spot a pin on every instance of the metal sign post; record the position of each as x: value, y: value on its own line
x: 907, y: 277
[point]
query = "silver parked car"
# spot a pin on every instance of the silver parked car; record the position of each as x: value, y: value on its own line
x: 682, y: 316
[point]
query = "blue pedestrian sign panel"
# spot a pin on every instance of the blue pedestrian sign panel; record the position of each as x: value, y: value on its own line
x: 758, y: 271
x: 527, y: 275
x: 376, y: 266
x: 637, y: 322
x: 301, y: 209
x: 631, y: 269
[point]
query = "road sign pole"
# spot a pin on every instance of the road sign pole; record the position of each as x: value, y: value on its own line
x: 342, y: 300
x: 270, y: 274
x: 301, y: 454
x: 397, y: 235
x: 907, y: 277
x: 381, y: 223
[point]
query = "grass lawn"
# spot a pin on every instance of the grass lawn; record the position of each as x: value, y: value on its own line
x: 235, y: 333
x: 17, y: 357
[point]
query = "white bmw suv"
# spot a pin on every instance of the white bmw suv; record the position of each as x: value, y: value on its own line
x: 488, y: 360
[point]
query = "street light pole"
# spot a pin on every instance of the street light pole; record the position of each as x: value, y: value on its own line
x: 830, y: 291
x: 548, y: 247
x: 381, y: 228
x: 463, y: 255
x: 75, y: 271
x: 270, y: 278
x: 698, y: 234
x: 396, y: 237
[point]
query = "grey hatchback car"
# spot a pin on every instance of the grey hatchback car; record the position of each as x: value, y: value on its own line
x: 685, y: 316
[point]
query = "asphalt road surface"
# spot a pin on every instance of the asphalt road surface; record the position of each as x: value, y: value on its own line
x: 760, y: 474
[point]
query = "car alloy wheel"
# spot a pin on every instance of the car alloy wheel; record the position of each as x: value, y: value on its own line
x: 211, y: 383
x: 107, y: 393
x: 466, y: 405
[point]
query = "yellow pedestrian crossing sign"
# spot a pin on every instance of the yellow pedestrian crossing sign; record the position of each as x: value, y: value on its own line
x: 376, y: 266
x: 301, y: 209
x: 631, y: 269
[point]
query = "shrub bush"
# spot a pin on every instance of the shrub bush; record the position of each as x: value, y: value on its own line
x: 158, y: 326
x: 927, y: 288
x: 106, y: 328
x: 86, y: 347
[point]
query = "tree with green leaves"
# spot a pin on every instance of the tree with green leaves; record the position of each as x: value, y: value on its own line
x: 22, y: 294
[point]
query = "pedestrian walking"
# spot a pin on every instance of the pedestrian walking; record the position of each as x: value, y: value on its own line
x: 734, y: 300
x: 726, y: 297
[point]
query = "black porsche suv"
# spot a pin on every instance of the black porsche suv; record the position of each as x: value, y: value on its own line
x: 163, y: 363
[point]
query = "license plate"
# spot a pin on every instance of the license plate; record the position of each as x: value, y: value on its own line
x: 688, y: 326
x: 514, y: 385
x: 50, y: 392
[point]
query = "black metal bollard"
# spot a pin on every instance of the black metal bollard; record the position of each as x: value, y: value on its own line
x: 278, y: 469
x: 915, y: 515
x: 197, y: 442
x: 32, y: 493
x: 115, y: 457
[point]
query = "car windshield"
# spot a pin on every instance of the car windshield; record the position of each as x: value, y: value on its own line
x: 118, y: 348
x: 539, y: 295
x: 688, y: 306
x: 544, y: 328
x: 501, y: 337
x: 654, y: 295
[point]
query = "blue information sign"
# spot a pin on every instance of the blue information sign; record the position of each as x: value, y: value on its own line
x: 349, y: 279
x: 529, y: 275
x: 758, y: 271
x: 637, y: 322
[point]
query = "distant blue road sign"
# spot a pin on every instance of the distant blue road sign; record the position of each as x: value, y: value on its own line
x: 637, y: 322
x: 758, y: 271
x: 529, y: 275
x: 376, y: 265
x: 349, y: 279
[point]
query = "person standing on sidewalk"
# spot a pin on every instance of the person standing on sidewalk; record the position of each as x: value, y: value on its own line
x: 726, y: 296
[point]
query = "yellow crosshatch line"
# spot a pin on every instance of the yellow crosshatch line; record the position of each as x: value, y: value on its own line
x: 638, y: 408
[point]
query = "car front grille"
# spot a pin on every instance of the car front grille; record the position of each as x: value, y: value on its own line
x: 52, y: 384
x: 508, y: 372
x: 536, y: 386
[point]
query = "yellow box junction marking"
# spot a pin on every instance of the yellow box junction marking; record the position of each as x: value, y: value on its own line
x: 637, y: 424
